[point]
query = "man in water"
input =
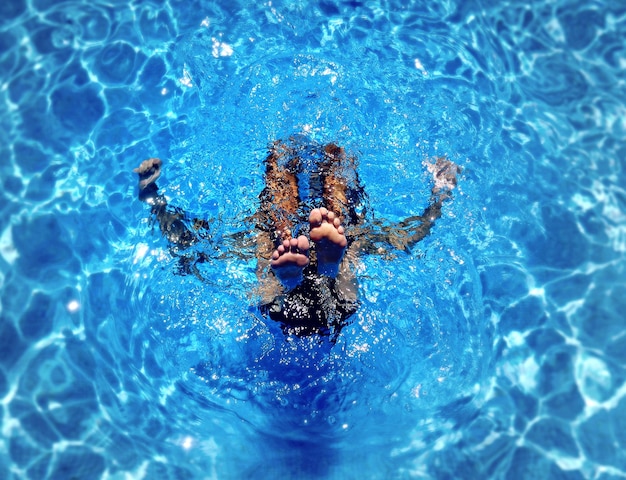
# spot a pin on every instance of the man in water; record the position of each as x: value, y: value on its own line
x: 311, y: 227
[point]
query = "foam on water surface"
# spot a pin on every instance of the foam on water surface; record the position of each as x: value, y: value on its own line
x: 494, y: 349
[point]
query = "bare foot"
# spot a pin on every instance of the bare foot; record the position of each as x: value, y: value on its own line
x: 328, y: 235
x: 149, y: 171
x: 289, y: 260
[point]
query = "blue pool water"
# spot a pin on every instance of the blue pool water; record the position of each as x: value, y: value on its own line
x: 495, y: 349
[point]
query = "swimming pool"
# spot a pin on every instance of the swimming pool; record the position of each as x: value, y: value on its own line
x: 495, y: 349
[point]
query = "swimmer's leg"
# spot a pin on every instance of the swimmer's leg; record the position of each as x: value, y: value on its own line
x: 280, y: 198
x: 335, y: 184
x: 343, y: 193
x: 278, y: 210
x: 330, y: 240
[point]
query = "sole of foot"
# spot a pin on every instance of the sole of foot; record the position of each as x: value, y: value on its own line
x: 330, y: 240
x: 289, y: 260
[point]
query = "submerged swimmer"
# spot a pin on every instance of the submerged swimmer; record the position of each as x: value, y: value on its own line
x: 311, y: 227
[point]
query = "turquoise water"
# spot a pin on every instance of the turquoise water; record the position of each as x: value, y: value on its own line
x: 495, y: 349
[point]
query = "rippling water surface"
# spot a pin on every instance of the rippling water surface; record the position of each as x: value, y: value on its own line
x: 495, y: 349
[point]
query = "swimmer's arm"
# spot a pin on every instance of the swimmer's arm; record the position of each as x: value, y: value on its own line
x: 379, y: 236
x: 173, y: 221
x: 405, y: 234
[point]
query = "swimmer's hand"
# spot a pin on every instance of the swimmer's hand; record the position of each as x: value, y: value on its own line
x: 149, y: 171
x: 444, y: 173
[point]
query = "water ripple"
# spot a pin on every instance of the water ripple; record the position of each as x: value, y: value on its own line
x: 494, y: 350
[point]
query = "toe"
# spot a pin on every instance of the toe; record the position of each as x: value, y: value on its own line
x: 315, y: 217
x: 303, y: 243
